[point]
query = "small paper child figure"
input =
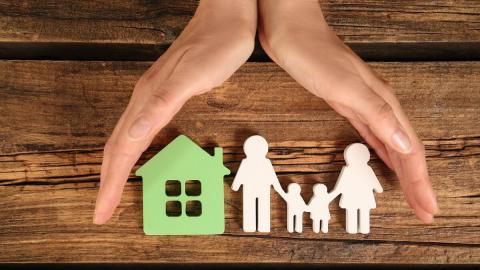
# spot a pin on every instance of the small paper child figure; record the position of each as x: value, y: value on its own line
x: 295, y: 208
x: 356, y: 183
x: 318, y: 208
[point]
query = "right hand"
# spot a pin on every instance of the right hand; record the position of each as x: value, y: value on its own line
x: 216, y: 42
x: 297, y: 37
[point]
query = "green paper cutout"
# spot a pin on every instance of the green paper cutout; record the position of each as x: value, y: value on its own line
x: 182, y: 160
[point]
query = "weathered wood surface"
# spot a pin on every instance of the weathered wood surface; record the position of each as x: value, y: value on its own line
x: 133, y: 29
x: 55, y: 117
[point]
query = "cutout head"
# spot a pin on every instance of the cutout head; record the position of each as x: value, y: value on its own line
x: 356, y: 153
x: 294, y: 188
x: 319, y: 189
x: 255, y: 147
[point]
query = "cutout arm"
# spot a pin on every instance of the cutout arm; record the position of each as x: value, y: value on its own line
x: 276, y: 184
x: 337, y: 190
x: 377, y: 187
x: 305, y: 206
x: 308, y: 206
x: 238, y: 180
x: 278, y: 188
x: 332, y: 195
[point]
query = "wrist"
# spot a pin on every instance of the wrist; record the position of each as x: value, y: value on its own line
x: 301, y: 14
x: 282, y: 22
x: 228, y: 9
x: 238, y: 16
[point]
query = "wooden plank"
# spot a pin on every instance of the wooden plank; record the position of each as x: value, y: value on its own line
x: 57, y: 229
x: 87, y: 98
x: 55, y: 117
x: 134, y: 30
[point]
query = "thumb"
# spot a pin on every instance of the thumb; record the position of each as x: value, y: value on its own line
x: 380, y: 117
x: 130, y: 139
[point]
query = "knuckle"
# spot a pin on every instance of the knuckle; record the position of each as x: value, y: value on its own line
x: 159, y: 100
x: 384, y: 111
x: 386, y: 84
x: 162, y: 107
x: 380, y: 80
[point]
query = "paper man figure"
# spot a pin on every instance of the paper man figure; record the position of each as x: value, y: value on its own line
x: 318, y: 208
x: 256, y: 174
x: 356, y: 183
x: 295, y: 208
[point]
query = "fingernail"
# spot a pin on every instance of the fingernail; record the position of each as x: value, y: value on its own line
x: 425, y: 217
x: 430, y: 209
x: 429, y: 220
x: 98, y: 218
x: 426, y: 200
x: 432, y: 206
x: 401, y: 141
x: 140, y: 128
x: 435, y: 208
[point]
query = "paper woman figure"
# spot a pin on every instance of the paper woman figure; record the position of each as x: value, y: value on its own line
x: 356, y: 184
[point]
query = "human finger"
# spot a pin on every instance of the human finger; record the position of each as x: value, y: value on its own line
x: 133, y: 134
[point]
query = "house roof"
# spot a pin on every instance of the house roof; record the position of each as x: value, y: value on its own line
x: 182, y: 149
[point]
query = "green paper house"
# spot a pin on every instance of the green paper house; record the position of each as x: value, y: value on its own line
x: 183, y: 190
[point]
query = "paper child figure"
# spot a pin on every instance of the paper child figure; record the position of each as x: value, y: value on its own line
x: 318, y: 208
x: 356, y: 183
x: 295, y: 208
x: 256, y: 174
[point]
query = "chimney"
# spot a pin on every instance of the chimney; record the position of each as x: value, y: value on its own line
x: 218, y: 154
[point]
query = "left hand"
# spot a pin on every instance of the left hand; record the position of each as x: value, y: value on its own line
x: 216, y: 42
x: 296, y: 36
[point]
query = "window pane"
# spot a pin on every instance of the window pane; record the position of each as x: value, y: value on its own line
x: 194, y: 208
x: 193, y: 188
x: 173, y: 208
x: 173, y: 188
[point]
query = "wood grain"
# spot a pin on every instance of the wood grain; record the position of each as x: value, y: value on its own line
x: 135, y: 30
x: 56, y: 115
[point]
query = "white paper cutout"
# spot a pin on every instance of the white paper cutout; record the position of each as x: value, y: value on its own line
x: 356, y: 185
x: 318, y: 208
x: 256, y: 175
x: 295, y: 208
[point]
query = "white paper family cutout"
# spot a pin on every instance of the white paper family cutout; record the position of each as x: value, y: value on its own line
x: 256, y: 175
x: 356, y: 185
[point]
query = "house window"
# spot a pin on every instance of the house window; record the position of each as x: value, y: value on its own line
x: 193, y: 188
x: 173, y: 188
x: 173, y: 208
x: 194, y: 208
x: 176, y: 203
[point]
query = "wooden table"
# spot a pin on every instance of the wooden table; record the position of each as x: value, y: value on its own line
x: 67, y: 72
